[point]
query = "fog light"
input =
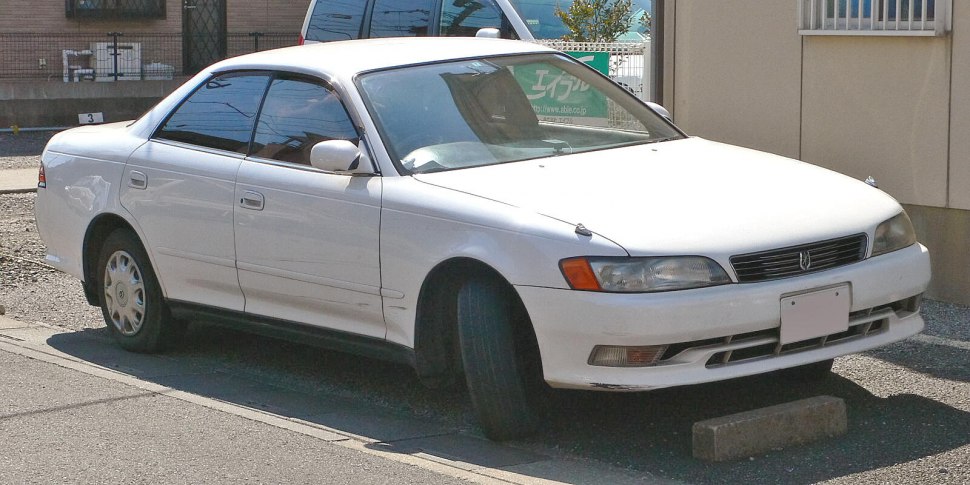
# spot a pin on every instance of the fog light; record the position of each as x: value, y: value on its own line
x: 616, y: 356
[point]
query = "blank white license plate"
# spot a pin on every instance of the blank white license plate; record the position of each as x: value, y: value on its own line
x: 815, y: 313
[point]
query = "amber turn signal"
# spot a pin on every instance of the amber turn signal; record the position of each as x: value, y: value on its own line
x: 579, y: 274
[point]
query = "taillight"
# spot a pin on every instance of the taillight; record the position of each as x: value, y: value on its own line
x: 302, y: 40
x: 41, y: 178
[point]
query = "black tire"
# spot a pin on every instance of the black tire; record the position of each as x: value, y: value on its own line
x: 816, y: 371
x: 131, y: 299
x: 501, y: 385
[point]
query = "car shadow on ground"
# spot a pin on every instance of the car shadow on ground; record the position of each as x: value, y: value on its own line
x: 642, y: 432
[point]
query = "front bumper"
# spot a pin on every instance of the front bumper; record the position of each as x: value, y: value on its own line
x: 720, y: 322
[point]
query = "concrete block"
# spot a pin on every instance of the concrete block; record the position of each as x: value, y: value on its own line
x: 749, y: 433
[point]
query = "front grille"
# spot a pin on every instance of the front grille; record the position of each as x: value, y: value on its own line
x: 729, y: 349
x: 791, y: 261
x: 771, y: 349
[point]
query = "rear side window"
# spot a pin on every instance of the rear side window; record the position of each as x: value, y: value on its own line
x: 299, y: 113
x: 336, y: 20
x: 463, y: 18
x: 220, y: 114
x: 400, y: 18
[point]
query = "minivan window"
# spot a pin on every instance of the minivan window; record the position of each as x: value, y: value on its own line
x: 463, y: 18
x: 400, y: 18
x: 336, y: 20
x: 219, y: 114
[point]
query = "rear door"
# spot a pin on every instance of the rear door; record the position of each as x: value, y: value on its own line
x: 180, y: 188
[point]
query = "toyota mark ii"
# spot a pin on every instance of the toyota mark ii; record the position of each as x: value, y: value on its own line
x: 484, y: 210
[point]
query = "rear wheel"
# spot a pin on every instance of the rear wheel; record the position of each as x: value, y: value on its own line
x: 131, y: 299
x: 502, y: 377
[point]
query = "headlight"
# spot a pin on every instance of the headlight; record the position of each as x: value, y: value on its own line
x: 893, y: 234
x: 642, y: 275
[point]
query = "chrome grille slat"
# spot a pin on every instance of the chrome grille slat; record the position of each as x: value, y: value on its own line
x: 785, y: 262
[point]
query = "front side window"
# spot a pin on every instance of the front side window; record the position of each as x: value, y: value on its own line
x: 477, y: 112
x: 336, y: 20
x: 220, y: 114
x: 400, y: 18
x: 297, y: 114
x: 463, y: 18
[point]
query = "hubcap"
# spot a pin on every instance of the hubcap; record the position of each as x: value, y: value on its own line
x: 124, y: 293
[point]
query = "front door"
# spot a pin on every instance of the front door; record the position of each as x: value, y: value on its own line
x: 203, y: 33
x: 307, y: 241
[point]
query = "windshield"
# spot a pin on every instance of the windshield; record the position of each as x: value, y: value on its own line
x: 486, y: 111
x: 540, y: 16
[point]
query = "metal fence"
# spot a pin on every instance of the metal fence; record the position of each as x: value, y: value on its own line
x: 630, y: 62
x: 874, y: 17
x: 95, y: 57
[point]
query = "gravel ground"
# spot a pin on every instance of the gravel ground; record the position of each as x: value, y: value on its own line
x: 908, y: 403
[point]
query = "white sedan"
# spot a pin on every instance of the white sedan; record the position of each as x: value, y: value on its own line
x: 473, y: 207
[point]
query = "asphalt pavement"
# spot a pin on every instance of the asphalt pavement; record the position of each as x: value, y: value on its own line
x: 75, y: 408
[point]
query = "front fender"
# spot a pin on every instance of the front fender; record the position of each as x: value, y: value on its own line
x: 424, y: 225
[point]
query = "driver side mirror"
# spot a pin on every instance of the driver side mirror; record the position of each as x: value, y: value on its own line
x: 660, y: 110
x: 488, y: 33
x: 339, y: 156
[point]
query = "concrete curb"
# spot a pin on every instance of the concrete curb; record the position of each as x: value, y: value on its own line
x: 19, y: 181
x: 17, y: 191
x: 746, y: 434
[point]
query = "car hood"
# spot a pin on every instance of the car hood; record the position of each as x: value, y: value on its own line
x: 683, y: 197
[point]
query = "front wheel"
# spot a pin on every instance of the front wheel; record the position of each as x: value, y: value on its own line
x: 501, y: 383
x: 131, y: 299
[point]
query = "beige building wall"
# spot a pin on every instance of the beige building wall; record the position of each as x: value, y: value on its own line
x: 39, y: 55
x: 960, y: 109
x: 879, y: 106
x: 736, y: 73
x: 896, y: 108
x: 278, y: 16
x: 49, y: 17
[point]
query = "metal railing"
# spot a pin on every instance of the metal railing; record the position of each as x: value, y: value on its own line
x: 103, y: 57
x: 629, y: 64
x: 873, y: 17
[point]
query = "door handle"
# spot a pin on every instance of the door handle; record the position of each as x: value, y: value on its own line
x: 137, y: 180
x: 251, y: 200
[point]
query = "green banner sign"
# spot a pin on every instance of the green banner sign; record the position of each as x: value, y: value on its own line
x: 558, y: 96
x: 597, y: 60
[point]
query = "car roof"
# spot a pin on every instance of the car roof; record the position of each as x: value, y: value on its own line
x: 343, y: 59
